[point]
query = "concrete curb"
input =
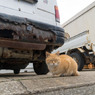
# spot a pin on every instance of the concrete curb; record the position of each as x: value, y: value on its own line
x: 62, y: 90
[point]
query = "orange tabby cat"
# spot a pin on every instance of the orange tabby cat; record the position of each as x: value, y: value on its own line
x: 61, y: 64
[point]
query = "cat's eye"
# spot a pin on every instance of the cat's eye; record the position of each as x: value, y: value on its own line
x: 53, y: 61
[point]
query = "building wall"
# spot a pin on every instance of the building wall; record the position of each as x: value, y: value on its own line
x: 85, y: 20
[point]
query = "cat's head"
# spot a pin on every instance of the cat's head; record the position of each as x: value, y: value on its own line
x: 52, y: 59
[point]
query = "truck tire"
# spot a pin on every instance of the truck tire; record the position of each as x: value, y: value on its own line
x: 40, y: 68
x: 16, y: 71
x: 79, y: 59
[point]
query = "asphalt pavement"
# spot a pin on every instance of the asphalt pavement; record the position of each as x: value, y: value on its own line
x: 32, y: 84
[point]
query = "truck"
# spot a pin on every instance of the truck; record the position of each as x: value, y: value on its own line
x: 81, y: 42
x: 28, y: 28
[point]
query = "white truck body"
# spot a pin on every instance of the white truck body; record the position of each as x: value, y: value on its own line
x: 28, y: 28
x: 42, y: 11
x: 77, y: 41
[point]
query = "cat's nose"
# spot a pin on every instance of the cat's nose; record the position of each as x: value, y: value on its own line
x: 56, y: 64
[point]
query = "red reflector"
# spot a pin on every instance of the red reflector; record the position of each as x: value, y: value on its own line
x: 57, y: 17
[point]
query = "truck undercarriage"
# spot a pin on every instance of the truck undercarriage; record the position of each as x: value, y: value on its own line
x: 23, y: 40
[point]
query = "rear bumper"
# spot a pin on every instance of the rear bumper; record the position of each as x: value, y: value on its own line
x: 28, y: 32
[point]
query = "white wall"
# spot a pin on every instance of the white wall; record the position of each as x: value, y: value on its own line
x: 85, y: 20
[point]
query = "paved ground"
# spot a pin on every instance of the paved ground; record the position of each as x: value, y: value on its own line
x: 32, y: 84
x: 29, y: 68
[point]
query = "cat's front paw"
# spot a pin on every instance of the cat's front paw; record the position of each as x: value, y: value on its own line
x: 49, y: 74
x: 62, y: 75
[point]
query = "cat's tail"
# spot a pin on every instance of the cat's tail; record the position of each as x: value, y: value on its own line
x: 76, y: 73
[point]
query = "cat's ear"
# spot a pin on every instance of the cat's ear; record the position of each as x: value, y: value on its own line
x: 47, y: 54
x: 57, y: 53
